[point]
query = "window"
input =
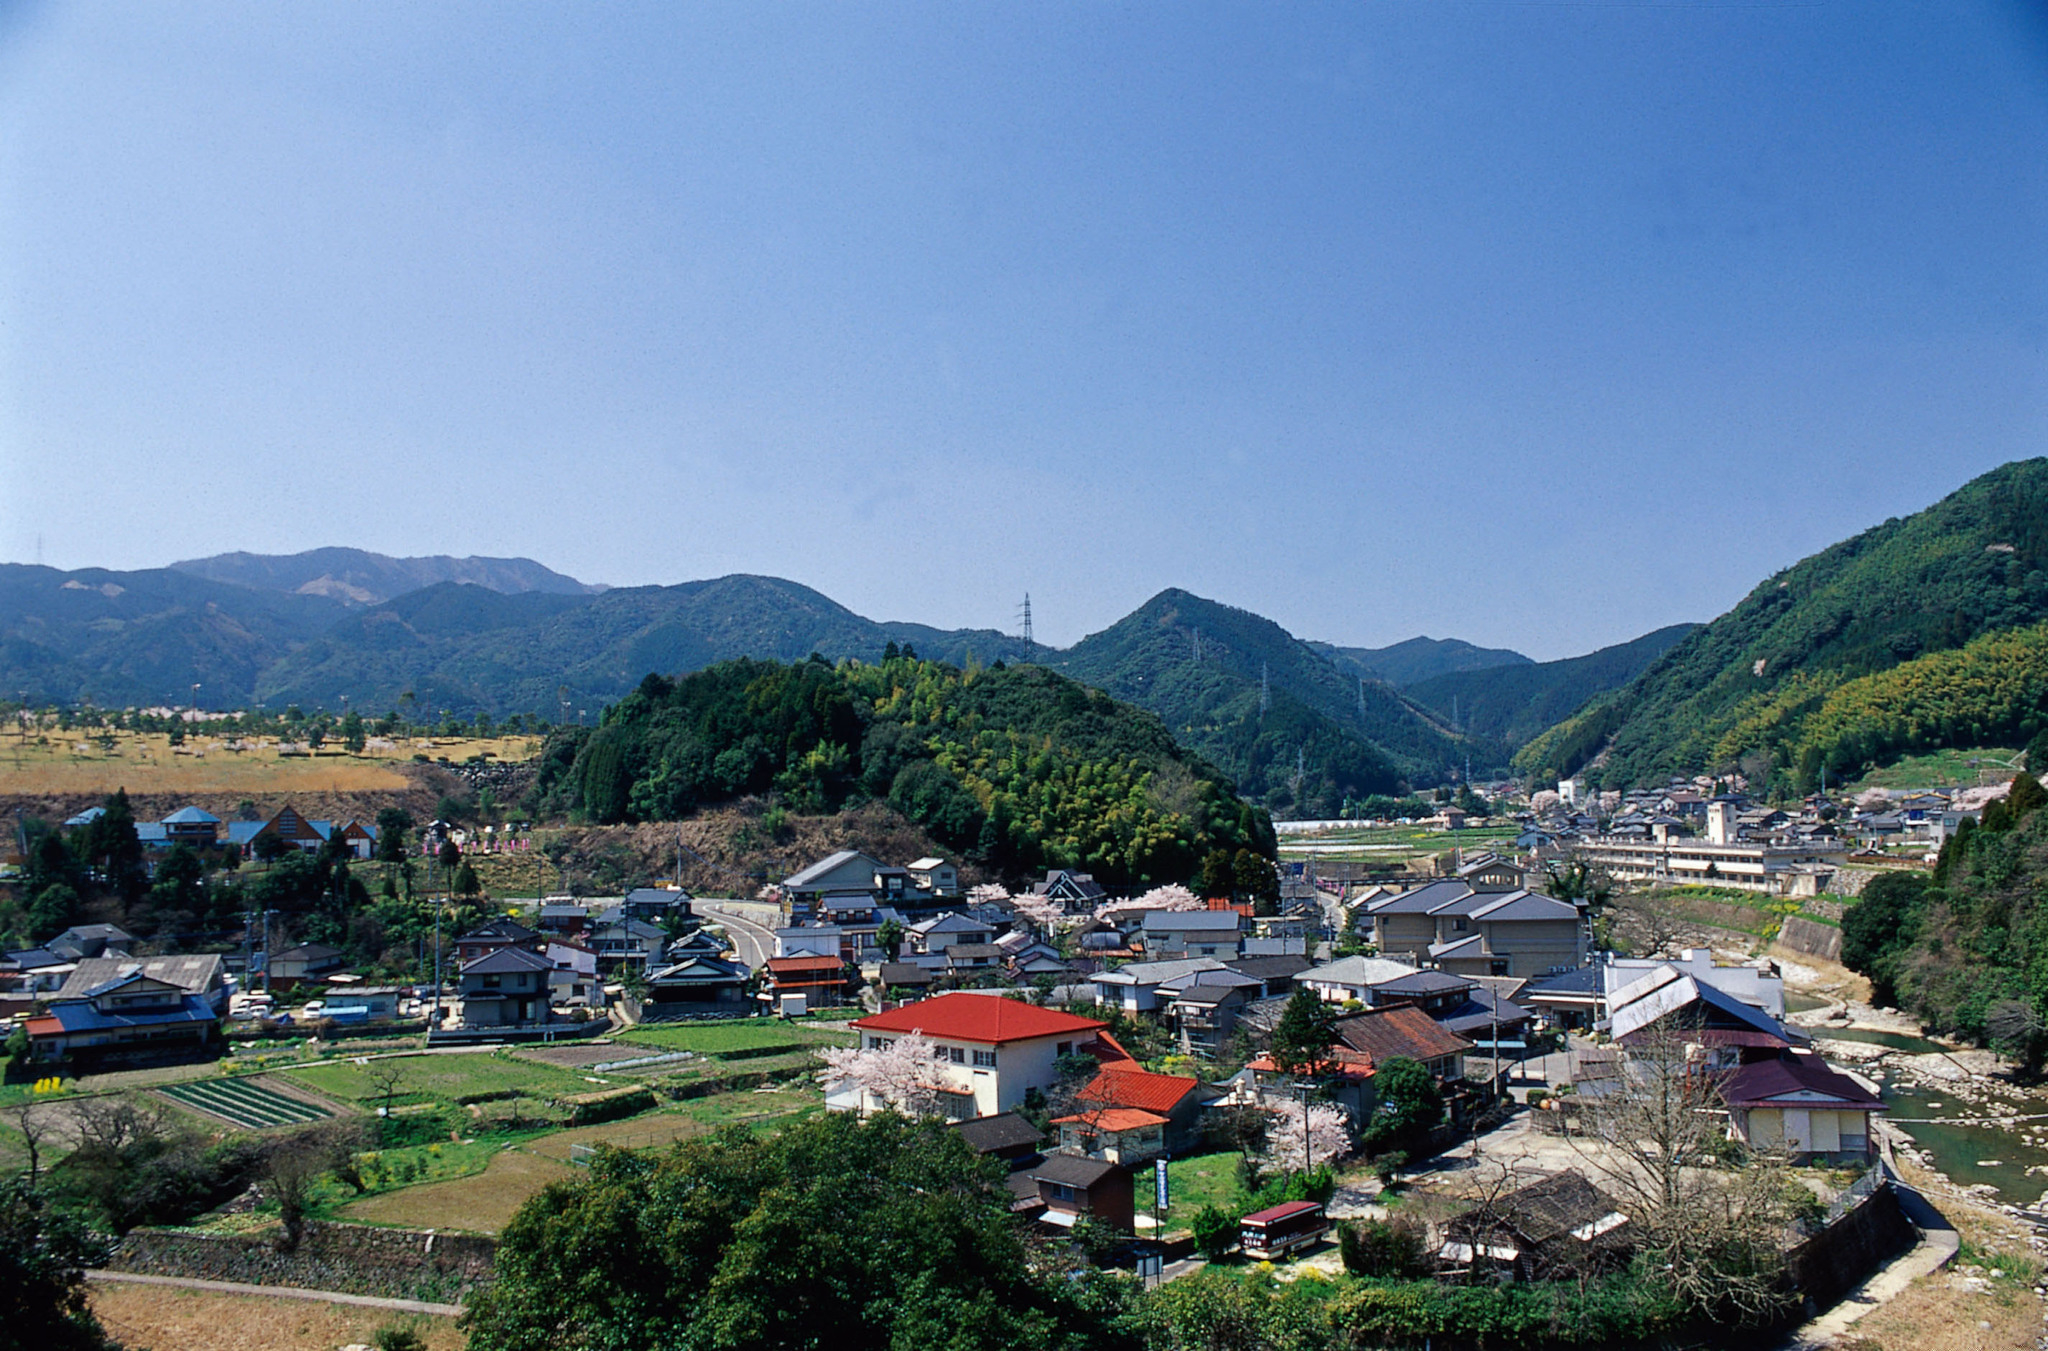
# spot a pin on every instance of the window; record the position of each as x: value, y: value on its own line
x: 985, y: 1059
x: 1064, y: 1048
x: 958, y: 1054
x: 490, y: 982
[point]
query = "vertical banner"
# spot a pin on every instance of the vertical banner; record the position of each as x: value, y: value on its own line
x: 1159, y: 1179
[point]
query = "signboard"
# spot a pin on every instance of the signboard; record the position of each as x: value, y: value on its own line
x: 1160, y: 1185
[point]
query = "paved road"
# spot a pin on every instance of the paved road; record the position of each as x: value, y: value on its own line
x: 754, y: 942
x: 281, y: 1292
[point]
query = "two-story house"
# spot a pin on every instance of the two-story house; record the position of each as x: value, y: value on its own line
x: 127, y: 1007
x: 1169, y: 934
x: 493, y: 936
x: 1485, y: 930
x: 507, y: 987
x: 937, y: 934
x: 622, y: 943
x: 990, y: 1050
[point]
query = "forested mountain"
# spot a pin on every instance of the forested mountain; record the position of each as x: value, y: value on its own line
x: 1745, y: 687
x: 1418, y: 659
x: 122, y: 638
x: 1018, y: 767
x: 359, y: 577
x: 1513, y: 703
x: 466, y: 648
x: 1325, y: 734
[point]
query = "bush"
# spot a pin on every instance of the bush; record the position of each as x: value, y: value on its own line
x: 398, y: 1337
x: 1214, y: 1232
x: 1386, y: 1248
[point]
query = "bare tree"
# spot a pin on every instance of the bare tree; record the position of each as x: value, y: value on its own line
x: 35, y: 1128
x: 1655, y: 1135
x: 385, y: 1076
x: 1644, y: 929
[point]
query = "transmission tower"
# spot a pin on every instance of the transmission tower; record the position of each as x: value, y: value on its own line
x: 1265, y: 689
x: 1196, y: 635
x: 1361, y: 696
x: 1024, y: 614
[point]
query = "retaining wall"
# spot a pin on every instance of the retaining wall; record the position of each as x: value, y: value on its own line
x: 1840, y: 1257
x: 353, y: 1259
x: 1812, y: 938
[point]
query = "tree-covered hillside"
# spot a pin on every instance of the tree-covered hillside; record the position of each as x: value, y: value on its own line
x: 1966, y: 948
x: 1516, y: 702
x: 1020, y: 768
x: 1417, y: 659
x: 1325, y: 734
x: 1974, y: 563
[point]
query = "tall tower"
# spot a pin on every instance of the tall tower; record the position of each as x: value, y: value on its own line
x: 1265, y: 689
x: 1024, y: 614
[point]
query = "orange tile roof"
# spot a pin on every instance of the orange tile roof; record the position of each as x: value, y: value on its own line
x: 979, y: 1017
x: 1115, y: 1119
x: 1347, y: 1064
x: 1121, y: 1084
x: 779, y: 965
x: 43, y: 1027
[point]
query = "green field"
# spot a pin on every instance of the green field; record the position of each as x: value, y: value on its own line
x: 447, y: 1078
x: 244, y: 1102
x: 741, y: 1035
x: 1945, y: 769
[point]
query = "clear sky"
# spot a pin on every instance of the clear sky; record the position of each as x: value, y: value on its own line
x: 1540, y: 325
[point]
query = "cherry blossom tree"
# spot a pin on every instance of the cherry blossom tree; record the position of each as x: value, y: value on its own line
x: 988, y: 892
x: 1328, y: 1137
x: 1041, y: 912
x: 1544, y: 802
x: 1172, y: 896
x: 901, y: 1074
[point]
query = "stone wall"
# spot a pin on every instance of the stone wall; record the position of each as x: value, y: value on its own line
x: 1812, y: 938
x: 1841, y: 1257
x: 352, y: 1259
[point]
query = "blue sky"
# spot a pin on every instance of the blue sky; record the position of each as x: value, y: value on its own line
x: 1539, y: 325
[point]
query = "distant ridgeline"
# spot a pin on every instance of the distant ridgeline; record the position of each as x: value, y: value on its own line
x: 1020, y: 767
x: 1919, y: 634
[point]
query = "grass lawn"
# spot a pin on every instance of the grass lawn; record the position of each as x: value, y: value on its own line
x: 742, y: 1034
x: 447, y: 1077
x: 1199, y: 1180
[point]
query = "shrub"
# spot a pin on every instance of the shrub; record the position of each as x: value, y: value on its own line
x: 1386, y: 1248
x: 1214, y: 1232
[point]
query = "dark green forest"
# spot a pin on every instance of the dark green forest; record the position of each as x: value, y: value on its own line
x: 1019, y: 768
x: 1965, y: 948
x: 1512, y: 703
x: 1973, y: 564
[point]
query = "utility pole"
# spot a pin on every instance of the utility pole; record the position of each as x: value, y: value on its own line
x: 267, y: 916
x: 434, y: 1019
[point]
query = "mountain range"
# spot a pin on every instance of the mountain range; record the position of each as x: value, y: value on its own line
x: 1301, y: 727
x: 1923, y: 632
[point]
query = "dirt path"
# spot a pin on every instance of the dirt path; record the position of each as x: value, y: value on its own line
x: 281, y: 1292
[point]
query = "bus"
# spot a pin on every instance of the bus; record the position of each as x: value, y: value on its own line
x: 1269, y: 1234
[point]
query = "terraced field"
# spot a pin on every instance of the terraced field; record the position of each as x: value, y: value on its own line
x: 245, y: 1103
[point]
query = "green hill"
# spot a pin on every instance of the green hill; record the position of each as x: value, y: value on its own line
x: 1325, y: 734
x: 1418, y: 659
x: 1514, y: 703
x: 1975, y: 563
x: 1017, y: 767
